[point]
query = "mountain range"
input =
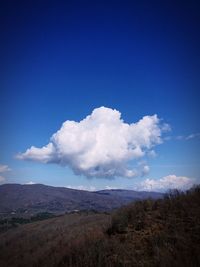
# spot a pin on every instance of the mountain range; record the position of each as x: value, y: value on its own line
x: 28, y: 200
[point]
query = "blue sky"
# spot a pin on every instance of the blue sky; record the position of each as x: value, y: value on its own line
x: 62, y: 59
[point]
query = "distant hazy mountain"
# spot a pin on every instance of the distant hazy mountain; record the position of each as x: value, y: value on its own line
x: 130, y: 194
x: 26, y: 200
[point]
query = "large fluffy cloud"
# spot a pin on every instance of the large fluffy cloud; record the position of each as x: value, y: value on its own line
x: 166, y: 183
x: 101, y: 145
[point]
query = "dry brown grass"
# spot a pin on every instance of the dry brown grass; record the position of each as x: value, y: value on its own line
x: 45, y: 243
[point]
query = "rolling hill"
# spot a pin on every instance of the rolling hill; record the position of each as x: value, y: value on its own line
x: 28, y: 200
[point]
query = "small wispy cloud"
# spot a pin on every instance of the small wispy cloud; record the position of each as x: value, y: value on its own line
x: 102, y: 145
x: 30, y: 183
x: 2, y: 179
x: 3, y: 169
x: 182, y: 137
x: 108, y: 187
x: 152, y: 154
x: 187, y: 137
x: 82, y: 187
x: 166, y: 183
x: 192, y: 136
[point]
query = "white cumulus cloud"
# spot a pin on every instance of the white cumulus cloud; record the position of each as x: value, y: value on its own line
x: 101, y: 145
x: 166, y: 183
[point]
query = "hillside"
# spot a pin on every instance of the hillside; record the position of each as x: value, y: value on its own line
x: 46, y: 243
x: 28, y: 200
x: 164, y: 232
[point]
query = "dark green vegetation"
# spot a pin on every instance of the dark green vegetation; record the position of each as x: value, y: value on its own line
x: 8, y: 223
x: 163, y: 232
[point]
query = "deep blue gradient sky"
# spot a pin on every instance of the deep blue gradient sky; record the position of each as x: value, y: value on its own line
x: 62, y: 59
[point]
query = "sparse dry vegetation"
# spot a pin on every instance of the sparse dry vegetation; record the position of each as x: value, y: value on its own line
x: 163, y: 232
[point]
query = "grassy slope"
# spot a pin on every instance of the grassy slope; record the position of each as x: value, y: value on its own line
x: 147, y: 233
